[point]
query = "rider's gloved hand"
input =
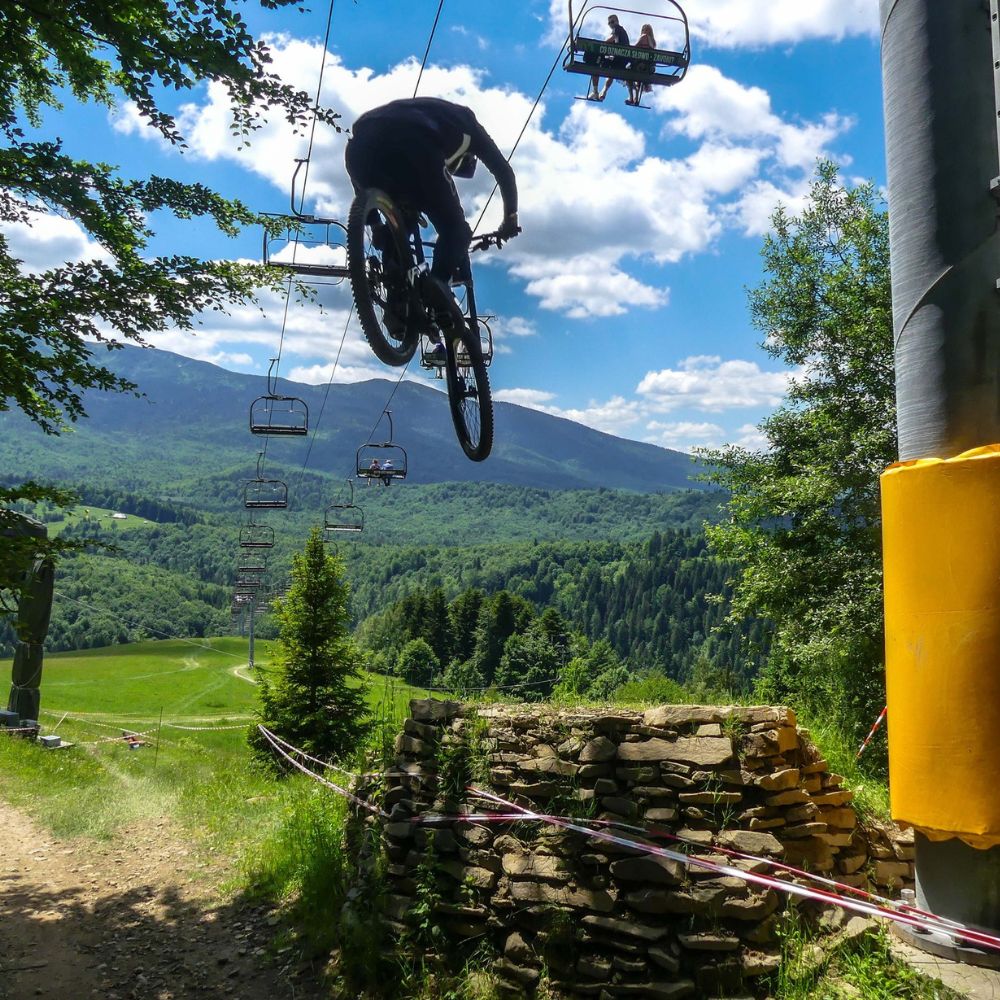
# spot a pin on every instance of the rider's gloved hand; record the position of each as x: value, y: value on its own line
x: 509, y: 227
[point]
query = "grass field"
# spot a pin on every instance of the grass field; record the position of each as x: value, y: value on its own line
x: 101, y: 516
x: 277, y: 838
x: 195, y: 767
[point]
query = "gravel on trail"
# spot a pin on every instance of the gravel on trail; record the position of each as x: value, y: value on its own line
x: 137, y: 918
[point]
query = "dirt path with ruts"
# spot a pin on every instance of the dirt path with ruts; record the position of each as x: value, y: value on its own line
x: 136, y: 919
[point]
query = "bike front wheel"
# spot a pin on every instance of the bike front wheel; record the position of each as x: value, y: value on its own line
x: 469, y: 394
x: 378, y: 259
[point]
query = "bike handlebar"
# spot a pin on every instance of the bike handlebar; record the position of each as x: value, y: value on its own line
x: 487, y: 240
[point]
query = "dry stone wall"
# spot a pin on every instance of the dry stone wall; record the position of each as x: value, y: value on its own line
x: 599, y: 919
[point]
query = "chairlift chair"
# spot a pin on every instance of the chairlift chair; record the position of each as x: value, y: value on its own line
x: 265, y: 494
x: 462, y: 358
x: 595, y: 57
x: 372, y: 458
x: 256, y: 536
x: 429, y: 360
x: 274, y: 413
x: 306, y: 245
x: 344, y: 516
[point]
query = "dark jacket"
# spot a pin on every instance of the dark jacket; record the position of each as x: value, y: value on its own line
x: 452, y: 129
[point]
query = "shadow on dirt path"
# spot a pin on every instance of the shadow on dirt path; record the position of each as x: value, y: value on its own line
x: 132, y: 920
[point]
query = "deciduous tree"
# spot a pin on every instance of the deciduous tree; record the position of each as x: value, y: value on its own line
x: 107, y: 52
x: 805, y: 519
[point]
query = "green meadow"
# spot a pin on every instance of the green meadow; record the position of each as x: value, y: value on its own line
x: 101, y: 516
x: 194, y: 770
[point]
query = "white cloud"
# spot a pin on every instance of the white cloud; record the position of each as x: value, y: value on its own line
x: 48, y: 241
x: 535, y: 399
x: 323, y: 373
x: 313, y: 330
x: 615, y: 416
x: 752, y: 23
x: 585, y: 287
x: 709, y: 383
x: 739, y: 23
x: 594, y: 199
x: 739, y: 385
x: 517, y: 326
x: 685, y: 435
x: 750, y: 437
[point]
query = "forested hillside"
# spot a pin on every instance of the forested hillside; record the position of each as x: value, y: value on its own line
x: 628, y: 568
x: 187, y: 436
x: 659, y: 605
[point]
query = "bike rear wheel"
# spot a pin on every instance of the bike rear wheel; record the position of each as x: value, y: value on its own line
x: 469, y: 395
x: 378, y: 259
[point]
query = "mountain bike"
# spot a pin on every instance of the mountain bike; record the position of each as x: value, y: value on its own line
x: 398, y: 301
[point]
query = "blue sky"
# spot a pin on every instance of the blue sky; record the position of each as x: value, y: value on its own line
x: 623, y: 303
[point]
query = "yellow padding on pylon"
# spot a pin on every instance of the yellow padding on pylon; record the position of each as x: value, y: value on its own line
x: 941, y: 545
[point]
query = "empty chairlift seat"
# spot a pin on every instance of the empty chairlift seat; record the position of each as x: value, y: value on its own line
x: 256, y: 536
x: 274, y: 413
x: 265, y: 494
x: 344, y: 517
x: 285, y: 415
x: 312, y: 248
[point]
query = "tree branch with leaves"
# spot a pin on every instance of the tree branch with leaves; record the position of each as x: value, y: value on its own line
x: 107, y: 52
x: 805, y: 525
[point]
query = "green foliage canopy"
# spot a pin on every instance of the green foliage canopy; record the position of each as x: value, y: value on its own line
x: 805, y: 518
x: 102, y: 51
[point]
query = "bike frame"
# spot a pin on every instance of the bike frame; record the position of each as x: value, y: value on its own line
x: 417, y: 244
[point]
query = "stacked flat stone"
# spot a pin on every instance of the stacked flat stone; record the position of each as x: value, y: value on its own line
x: 605, y: 920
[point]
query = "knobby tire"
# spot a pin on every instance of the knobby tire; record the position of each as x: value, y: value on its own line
x: 368, y: 289
x: 469, y: 395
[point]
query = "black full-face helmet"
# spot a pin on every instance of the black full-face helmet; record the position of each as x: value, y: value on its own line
x: 466, y: 166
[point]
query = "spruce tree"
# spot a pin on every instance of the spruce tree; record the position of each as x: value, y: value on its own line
x: 316, y: 696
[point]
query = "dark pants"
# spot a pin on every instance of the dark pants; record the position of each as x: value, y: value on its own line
x: 402, y: 163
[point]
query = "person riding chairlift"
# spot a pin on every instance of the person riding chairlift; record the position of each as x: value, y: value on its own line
x: 618, y: 36
x: 646, y: 40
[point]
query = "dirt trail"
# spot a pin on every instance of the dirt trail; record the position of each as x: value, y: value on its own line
x: 131, y: 920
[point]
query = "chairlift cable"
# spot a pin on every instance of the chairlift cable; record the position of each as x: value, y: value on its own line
x: 281, y: 342
x: 312, y: 136
x: 319, y: 90
x: 520, y: 136
x: 388, y: 401
x: 326, y: 396
x: 430, y: 39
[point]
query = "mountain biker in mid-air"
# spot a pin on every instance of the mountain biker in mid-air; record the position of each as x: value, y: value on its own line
x: 411, y: 149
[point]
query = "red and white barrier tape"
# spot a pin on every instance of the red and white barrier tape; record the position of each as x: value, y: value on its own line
x: 322, y: 763
x: 901, y: 915
x: 127, y: 737
x: 275, y: 740
x: 945, y: 926
x: 867, y: 904
x: 868, y: 738
x: 203, y: 729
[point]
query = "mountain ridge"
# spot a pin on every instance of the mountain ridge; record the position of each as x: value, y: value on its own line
x: 192, y: 423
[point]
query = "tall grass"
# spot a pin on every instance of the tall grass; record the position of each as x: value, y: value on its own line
x: 863, y: 968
